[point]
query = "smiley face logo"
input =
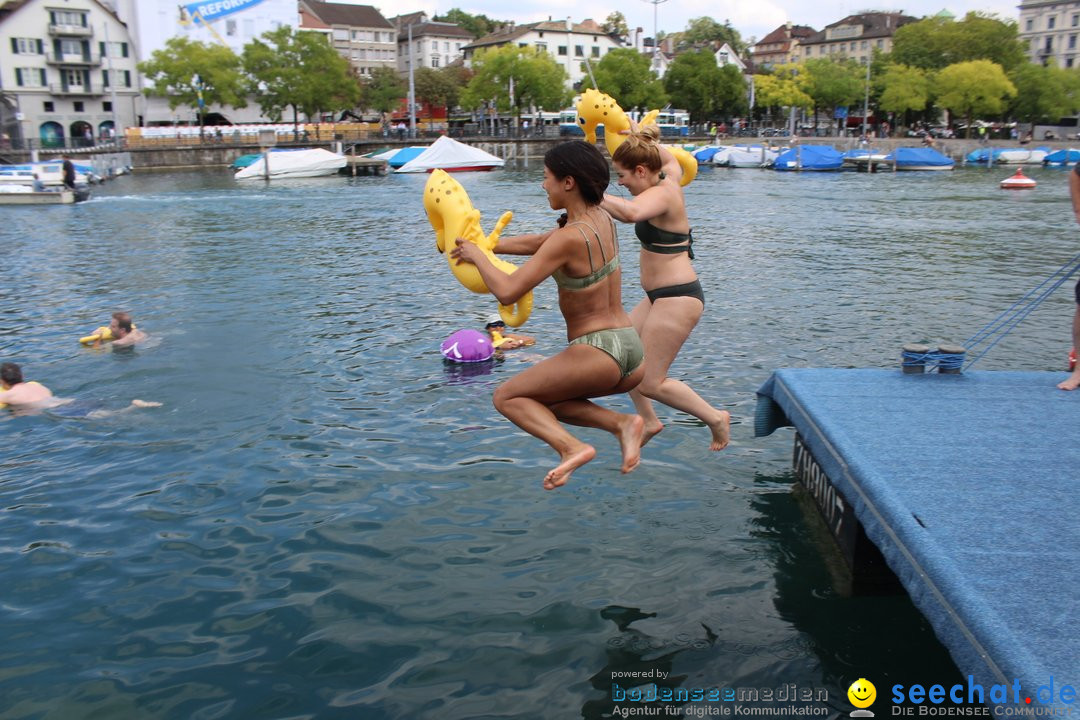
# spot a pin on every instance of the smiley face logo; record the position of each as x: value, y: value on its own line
x: 862, y: 693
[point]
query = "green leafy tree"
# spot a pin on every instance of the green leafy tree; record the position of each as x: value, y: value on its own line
x: 384, y: 90
x: 436, y: 88
x: 1044, y: 93
x: 832, y: 83
x: 903, y: 89
x: 976, y: 87
x: 934, y: 43
x: 183, y: 69
x: 781, y: 88
x: 477, y: 25
x: 696, y: 83
x: 627, y: 76
x: 537, y: 80
x: 706, y: 31
x: 298, y: 70
x: 615, y: 24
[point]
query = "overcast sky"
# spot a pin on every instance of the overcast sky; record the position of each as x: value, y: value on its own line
x: 752, y: 18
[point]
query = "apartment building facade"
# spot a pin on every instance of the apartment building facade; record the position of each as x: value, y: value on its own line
x: 855, y: 37
x: 434, y: 44
x: 68, y: 71
x: 1051, y: 31
x: 359, y: 33
x: 567, y: 42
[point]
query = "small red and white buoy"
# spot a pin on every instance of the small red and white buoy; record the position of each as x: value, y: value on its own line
x: 1019, y: 181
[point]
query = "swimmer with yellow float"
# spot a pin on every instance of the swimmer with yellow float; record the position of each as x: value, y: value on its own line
x: 120, y: 331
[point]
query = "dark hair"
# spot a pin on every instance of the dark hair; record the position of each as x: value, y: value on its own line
x: 11, y: 374
x: 123, y: 320
x: 583, y: 162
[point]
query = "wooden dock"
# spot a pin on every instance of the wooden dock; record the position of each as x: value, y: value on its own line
x: 358, y: 165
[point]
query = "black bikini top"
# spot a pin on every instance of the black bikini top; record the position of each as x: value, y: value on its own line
x: 655, y: 240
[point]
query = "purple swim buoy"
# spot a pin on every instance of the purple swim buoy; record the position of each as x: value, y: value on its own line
x: 467, y: 346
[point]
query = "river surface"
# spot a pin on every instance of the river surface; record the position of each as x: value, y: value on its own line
x: 325, y: 521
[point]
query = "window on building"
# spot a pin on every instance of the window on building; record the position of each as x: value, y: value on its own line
x: 1072, y: 42
x: 521, y: 44
x: 113, y: 49
x: 230, y: 28
x: 1075, y: 20
x: 1069, y: 63
x: 1029, y: 25
x: 434, y: 61
x: 542, y: 47
x: 434, y: 46
x: 72, y: 78
x: 1049, y: 45
x: 446, y: 46
x: 865, y: 44
x: 595, y: 51
x: 48, y: 106
x: 562, y: 50
x: 71, y: 47
x: 1050, y: 22
x: 579, y: 51
x: 30, y: 77
x: 67, y: 17
x: 78, y: 105
x: 457, y: 46
x: 105, y: 78
x: 27, y: 46
x: 341, y: 34
x: 106, y: 106
x: 880, y: 44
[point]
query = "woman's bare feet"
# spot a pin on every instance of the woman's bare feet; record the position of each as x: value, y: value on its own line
x: 651, y: 430
x: 630, y: 440
x: 721, y: 430
x: 1070, y: 383
x: 571, y: 461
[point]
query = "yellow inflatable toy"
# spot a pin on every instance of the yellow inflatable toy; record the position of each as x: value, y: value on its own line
x: 452, y: 215
x: 596, y: 108
x: 102, y: 334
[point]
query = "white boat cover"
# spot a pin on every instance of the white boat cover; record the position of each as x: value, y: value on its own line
x: 447, y: 153
x: 295, y: 163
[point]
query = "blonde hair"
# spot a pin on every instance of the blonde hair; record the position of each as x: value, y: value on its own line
x: 640, y: 148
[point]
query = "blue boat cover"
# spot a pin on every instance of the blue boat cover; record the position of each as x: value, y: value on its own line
x: 968, y: 485
x: 981, y: 155
x: 404, y: 155
x: 1070, y: 156
x: 919, y: 157
x: 810, y: 157
x: 705, y: 154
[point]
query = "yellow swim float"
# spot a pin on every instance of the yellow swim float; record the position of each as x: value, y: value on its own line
x: 452, y: 215
x: 102, y: 334
x: 597, y: 108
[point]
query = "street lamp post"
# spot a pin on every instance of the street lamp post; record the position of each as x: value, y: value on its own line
x: 866, y: 98
x: 656, y: 31
x: 412, y: 88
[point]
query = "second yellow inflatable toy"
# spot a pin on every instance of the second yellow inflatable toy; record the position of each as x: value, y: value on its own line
x: 597, y: 108
x: 452, y: 215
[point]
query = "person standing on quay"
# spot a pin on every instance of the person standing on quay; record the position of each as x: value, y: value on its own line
x: 1073, y: 381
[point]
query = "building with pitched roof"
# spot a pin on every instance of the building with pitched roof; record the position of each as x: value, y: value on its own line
x: 359, y: 32
x: 780, y: 47
x: 856, y: 36
x: 568, y: 43
x: 68, y: 71
x: 435, y: 44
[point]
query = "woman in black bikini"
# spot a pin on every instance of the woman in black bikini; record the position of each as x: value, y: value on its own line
x: 674, y: 300
x: 605, y: 355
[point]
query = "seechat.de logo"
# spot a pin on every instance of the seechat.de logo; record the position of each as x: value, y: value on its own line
x: 862, y: 695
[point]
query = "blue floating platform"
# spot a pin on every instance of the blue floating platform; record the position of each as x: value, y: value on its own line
x: 968, y: 484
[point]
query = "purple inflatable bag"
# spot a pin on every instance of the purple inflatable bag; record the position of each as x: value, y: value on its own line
x: 466, y: 346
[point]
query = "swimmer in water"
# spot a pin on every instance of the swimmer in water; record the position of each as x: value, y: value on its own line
x: 18, y: 394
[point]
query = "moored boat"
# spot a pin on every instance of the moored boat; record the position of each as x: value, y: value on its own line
x: 810, y: 157
x: 452, y: 156
x: 22, y: 195
x: 312, y: 162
